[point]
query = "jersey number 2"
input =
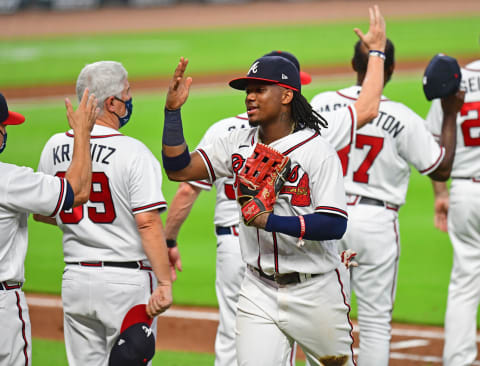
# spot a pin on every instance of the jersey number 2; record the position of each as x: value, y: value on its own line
x: 472, y: 111
x: 99, y: 193
x: 376, y: 145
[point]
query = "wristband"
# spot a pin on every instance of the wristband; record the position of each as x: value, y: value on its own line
x: 172, y: 128
x: 171, y: 243
x: 377, y: 53
x: 300, y: 241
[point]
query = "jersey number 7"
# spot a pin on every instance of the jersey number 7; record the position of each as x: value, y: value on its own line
x: 100, y: 194
x: 361, y: 174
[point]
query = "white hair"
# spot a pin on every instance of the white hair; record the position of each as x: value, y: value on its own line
x: 102, y: 78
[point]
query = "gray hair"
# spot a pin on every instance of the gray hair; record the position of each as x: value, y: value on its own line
x: 104, y: 79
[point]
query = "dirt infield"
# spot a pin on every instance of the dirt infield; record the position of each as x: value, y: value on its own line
x: 193, y: 329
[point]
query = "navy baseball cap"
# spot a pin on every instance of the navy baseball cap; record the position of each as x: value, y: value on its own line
x: 8, y: 117
x: 442, y: 77
x: 135, y: 346
x: 305, y: 77
x: 272, y: 69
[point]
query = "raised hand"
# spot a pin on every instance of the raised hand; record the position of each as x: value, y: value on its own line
x: 86, y: 114
x: 453, y: 103
x: 179, y: 87
x: 376, y: 37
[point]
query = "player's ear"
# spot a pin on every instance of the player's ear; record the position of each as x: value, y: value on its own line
x: 108, y: 104
x: 287, y: 96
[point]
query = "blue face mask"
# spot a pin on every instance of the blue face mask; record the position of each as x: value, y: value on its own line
x: 129, y: 108
x: 4, y: 144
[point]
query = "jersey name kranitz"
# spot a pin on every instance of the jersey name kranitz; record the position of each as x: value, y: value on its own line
x: 315, y: 184
x: 126, y: 180
x: 467, y: 154
x: 226, y: 208
x: 376, y: 160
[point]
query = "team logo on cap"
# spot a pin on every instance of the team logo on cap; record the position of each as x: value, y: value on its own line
x: 284, y: 77
x: 147, y: 330
x: 254, y: 68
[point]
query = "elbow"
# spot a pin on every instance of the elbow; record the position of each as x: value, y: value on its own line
x: 371, y: 113
x: 174, y: 176
x: 440, y: 176
x: 36, y: 217
x: 339, y: 230
x: 81, y: 197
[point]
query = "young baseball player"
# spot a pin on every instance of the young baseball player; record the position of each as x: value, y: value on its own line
x: 295, y: 288
x: 114, y: 246
x: 21, y: 192
x: 463, y: 221
x: 376, y: 164
x: 230, y: 269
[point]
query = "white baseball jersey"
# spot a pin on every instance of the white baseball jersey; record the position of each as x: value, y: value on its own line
x: 376, y: 162
x: 22, y: 192
x: 126, y: 180
x: 467, y: 155
x: 315, y: 184
x: 226, y: 208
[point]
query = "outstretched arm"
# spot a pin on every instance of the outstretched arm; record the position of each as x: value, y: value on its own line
x: 178, y: 212
x: 451, y: 105
x: 178, y: 163
x: 368, y: 101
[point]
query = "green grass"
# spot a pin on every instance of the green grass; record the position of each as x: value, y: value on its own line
x: 58, y: 59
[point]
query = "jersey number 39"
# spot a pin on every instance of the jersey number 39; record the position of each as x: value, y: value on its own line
x: 99, y: 195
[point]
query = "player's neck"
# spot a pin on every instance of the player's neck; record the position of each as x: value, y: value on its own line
x: 108, y: 120
x: 274, y: 131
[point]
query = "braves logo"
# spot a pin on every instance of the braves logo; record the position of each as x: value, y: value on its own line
x: 301, y: 192
x: 147, y: 330
x: 253, y: 68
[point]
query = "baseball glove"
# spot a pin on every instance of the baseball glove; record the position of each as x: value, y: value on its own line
x: 260, y: 181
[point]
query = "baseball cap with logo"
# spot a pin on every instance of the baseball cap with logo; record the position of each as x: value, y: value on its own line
x: 442, y: 77
x: 135, y: 346
x: 8, y: 117
x: 272, y: 69
x: 305, y: 77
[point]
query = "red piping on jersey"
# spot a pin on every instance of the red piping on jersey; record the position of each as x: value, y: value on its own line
x: 240, y: 117
x: 60, y: 199
x: 97, y: 137
x: 470, y: 69
x: 253, y: 141
x: 348, y: 312
x: 353, y: 124
x: 301, y: 143
x: 209, y: 164
x: 396, y: 264
x: 161, y: 203
x: 275, y: 251
x: 203, y: 183
x: 352, y: 98
x: 25, y: 353
x: 259, y: 254
x: 334, y: 209
x: 151, y: 282
x: 440, y: 158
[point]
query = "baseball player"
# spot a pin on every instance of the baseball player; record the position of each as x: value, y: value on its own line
x: 114, y: 246
x: 463, y: 221
x: 295, y: 288
x: 376, y: 163
x: 230, y: 269
x: 21, y: 192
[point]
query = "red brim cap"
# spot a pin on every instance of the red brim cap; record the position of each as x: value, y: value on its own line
x: 14, y: 118
x: 137, y: 314
x: 305, y: 78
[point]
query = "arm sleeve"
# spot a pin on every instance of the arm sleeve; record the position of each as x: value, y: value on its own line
x: 418, y: 146
x: 145, y: 183
x: 318, y: 226
x: 27, y: 191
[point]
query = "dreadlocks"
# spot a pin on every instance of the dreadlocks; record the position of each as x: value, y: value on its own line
x: 304, y: 115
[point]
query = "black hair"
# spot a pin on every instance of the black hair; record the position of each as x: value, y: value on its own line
x: 360, y: 57
x: 304, y: 115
